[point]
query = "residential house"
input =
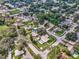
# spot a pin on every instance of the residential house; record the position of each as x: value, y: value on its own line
x: 18, y: 53
x: 44, y: 38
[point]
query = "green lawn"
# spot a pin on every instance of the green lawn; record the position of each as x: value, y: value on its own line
x: 45, y: 45
x: 56, y: 51
x: 15, y: 11
x: 17, y: 57
x: 11, y: 21
x: 77, y: 57
x: 59, y: 33
x: 77, y: 47
x: 31, y: 23
x: 3, y: 27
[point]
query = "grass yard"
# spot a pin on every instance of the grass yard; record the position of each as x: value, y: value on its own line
x: 77, y: 57
x: 11, y: 21
x: 15, y: 11
x: 45, y: 45
x: 56, y: 51
x: 31, y: 23
x: 59, y: 33
x: 3, y: 27
x: 17, y: 57
x: 77, y: 47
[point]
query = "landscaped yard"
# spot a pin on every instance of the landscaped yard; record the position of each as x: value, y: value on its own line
x: 56, y: 51
x: 59, y: 33
x: 77, y: 47
x: 3, y: 27
x: 45, y: 45
x: 31, y: 23
x: 77, y: 57
x: 15, y: 11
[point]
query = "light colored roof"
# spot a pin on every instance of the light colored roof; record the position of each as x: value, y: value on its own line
x: 17, y: 52
x: 34, y: 34
x: 75, y: 55
x: 40, y: 41
x: 44, y: 38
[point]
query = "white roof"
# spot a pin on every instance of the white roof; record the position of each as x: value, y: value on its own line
x: 17, y: 52
x: 75, y: 55
x: 44, y: 39
x: 40, y: 41
x: 34, y: 34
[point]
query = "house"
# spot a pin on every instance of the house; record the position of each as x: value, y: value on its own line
x: 74, y: 53
x: 18, y: 53
x: 35, y: 35
x: 66, y: 22
x: 55, y: 8
x: 62, y: 56
x: 28, y: 27
x: 44, y: 38
x: 26, y: 18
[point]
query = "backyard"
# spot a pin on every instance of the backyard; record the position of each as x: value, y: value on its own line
x: 15, y: 11
x: 3, y: 27
x: 77, y: 49
x: 59, y: 33
x: 31, y: 23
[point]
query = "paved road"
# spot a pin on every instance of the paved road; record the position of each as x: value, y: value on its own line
x: 28, y: 55
x: 9, y: 55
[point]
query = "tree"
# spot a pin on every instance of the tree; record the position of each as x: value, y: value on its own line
x: 41, y: 17
x: 77, y: 28
x: 23, y: 31
x: 2, y: 20
x: 71, y: 36
x: 76, y: 18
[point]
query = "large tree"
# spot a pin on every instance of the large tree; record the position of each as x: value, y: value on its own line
x: 71, y: 36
